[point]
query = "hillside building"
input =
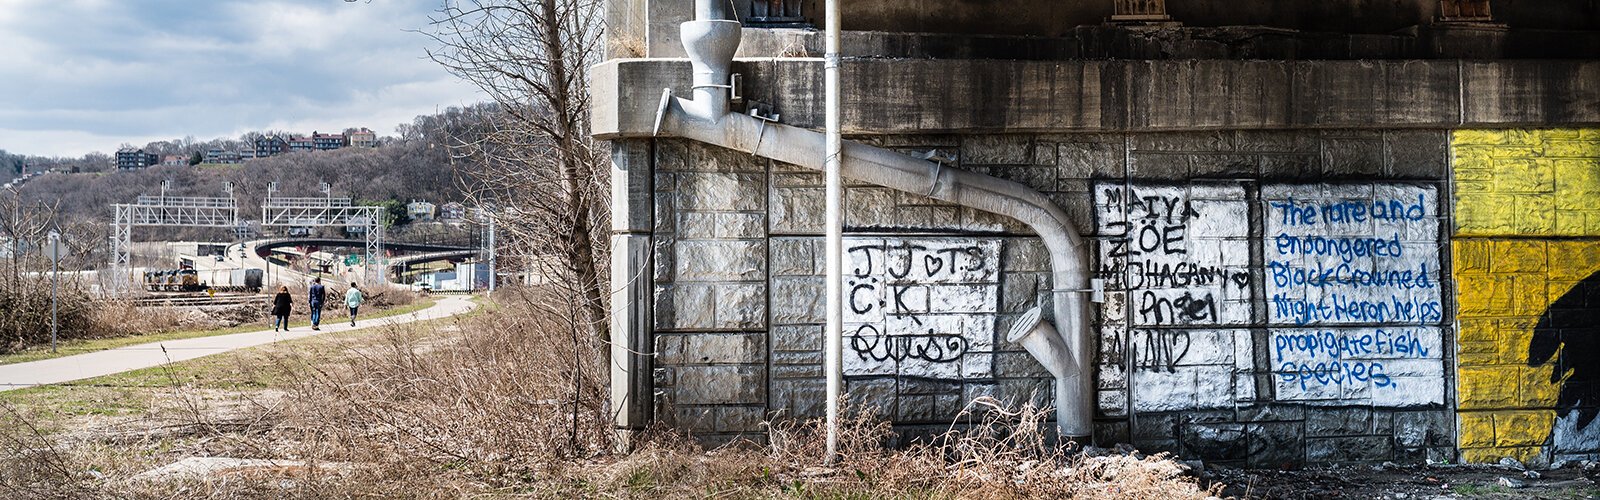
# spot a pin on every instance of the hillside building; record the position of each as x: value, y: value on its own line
x: 270, y: 145
x: 327, y: 142
x: 362, y: 138
x: 135, y: 159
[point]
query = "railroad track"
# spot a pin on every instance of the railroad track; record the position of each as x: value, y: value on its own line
x: 198, y: 300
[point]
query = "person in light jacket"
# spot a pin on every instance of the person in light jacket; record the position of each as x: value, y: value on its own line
x: 353, y: 299
x: 280, y: 309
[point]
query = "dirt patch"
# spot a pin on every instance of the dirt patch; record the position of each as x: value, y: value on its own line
x: 1409, y: 482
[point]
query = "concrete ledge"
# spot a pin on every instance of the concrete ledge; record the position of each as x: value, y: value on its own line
x: 966, y: 96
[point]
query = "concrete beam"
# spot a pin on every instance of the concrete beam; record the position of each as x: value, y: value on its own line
x: 969, y: 96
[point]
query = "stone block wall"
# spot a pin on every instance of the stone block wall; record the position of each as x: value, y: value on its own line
x: 1526, y: 254
x: 1274, y: 297
x: 709, y: 291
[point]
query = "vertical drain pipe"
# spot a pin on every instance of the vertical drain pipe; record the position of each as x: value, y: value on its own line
x: 832, y: 151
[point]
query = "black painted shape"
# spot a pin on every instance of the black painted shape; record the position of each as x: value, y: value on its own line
x: 1569, y: 332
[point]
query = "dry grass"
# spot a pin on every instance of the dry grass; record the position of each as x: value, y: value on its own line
x: 120, y: 317
x: 510, y: 403
x: 25, y: 312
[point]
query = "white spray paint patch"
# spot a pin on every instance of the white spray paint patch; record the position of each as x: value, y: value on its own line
x: 1174, y: 257
x: 1352, y: 254
x: 921, y: 307
x: 1179, y: 252
x: 1350, y: 298
x: 1384, y: 366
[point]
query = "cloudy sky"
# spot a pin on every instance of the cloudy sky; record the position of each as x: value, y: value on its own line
x: 87, y: 75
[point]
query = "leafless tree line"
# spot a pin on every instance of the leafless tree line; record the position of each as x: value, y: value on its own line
x: 25, y: 282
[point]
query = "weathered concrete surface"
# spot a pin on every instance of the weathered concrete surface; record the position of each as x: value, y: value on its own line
x: 1098, y: 42
x: 1306, y: 30
x: 978, y: 96
x: 107, y: 362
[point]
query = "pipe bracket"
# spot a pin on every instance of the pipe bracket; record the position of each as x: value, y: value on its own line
x: 1096, y: 290
x: 761, y: 132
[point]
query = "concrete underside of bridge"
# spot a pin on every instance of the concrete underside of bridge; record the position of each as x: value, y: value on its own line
x: 1320, y: 242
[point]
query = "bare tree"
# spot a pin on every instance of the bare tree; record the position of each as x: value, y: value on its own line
x: 532, y: 157
x: 23, y: 226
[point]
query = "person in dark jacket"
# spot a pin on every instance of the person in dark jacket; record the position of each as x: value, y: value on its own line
x: 280, y: 309
x: 319, y: 294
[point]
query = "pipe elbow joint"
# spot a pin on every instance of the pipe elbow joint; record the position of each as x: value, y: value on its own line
x: 1042, y: 341
x: 672, y: 110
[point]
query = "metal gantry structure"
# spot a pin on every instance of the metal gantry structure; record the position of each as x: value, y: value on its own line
x: 223, y: 212
x: 328, y: 211
x: 163, y: 211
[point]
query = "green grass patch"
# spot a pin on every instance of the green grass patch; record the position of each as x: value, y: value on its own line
x: 1474, y: 490
x: 81, y: 346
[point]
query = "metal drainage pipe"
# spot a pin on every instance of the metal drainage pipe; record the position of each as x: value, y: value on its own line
x: 711, y: 41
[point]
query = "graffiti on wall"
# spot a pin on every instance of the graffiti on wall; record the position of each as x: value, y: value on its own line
x: 1179, y: 251
x: 1527, y: 248
x: 1351, y: 291
x: 1388, y: 366
x: 1565, y: 337
x: 1352, y: 254
x: 920, y: 307
x: 1176, y: 258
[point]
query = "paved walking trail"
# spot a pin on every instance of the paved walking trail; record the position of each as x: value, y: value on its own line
x: 107, y: 362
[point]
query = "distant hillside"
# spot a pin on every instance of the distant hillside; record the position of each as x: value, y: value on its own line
x: 416, y: 165
x: 10, y: 166
x: 403, y: 170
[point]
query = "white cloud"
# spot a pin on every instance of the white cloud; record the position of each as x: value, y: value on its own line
x: 69, y: 143
x: 87, y: 75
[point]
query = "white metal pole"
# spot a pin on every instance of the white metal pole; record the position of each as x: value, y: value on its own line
x: 55, y: 283
x: 491, y: 255
x: 833, y: 350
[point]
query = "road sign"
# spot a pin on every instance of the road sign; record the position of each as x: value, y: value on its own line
x: 54, y: 250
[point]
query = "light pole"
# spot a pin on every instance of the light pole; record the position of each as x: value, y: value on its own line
x: 272, y: 188
x: 486, y: 214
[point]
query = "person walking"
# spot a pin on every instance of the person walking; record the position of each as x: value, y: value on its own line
x: 280, y: 309
x: 319, y: 294
x: 352, y: 299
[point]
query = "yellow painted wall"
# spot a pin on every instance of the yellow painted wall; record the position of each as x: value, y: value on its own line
x: 1527, y: 229
x: 1527, y: 182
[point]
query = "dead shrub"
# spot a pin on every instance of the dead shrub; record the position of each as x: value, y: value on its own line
x: 502, y: 395
x: 997, y: 452
x: 25, y: 312
x: 34, y: 466
x: 115, y: 318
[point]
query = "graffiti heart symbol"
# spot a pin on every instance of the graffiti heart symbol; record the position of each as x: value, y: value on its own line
x: 933, y: 264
